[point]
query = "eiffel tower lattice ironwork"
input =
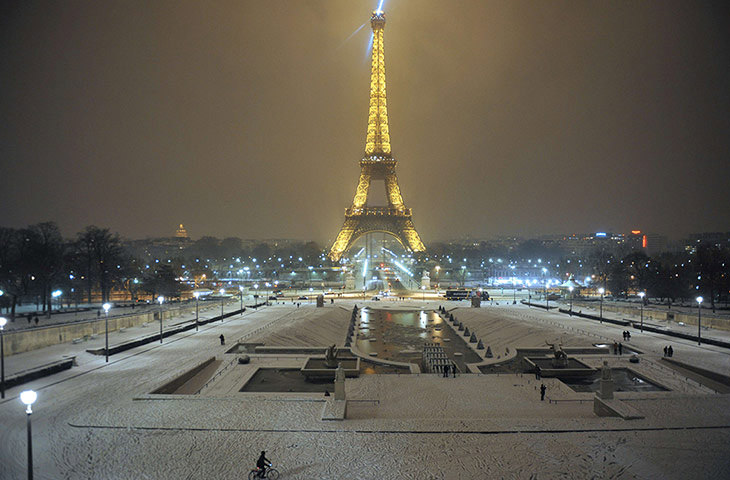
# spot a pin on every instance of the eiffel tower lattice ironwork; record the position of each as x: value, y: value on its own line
x: 378, y: 164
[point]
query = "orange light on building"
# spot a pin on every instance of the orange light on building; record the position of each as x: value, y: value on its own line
x: 643, y: 241
x: 636, y: 232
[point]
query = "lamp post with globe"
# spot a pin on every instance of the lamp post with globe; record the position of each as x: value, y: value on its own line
x: 106, y: 308
x: 197, y: 296
x: 641, y: 296
x: 601, y: 291
x: 28, y: 397
x: 160, y: 299
x: 222, y: 292
x: 699, y: 320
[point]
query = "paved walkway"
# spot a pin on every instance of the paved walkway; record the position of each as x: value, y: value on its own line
x: 99, y: 421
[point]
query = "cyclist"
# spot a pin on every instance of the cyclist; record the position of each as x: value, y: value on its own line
x: 262, y: 463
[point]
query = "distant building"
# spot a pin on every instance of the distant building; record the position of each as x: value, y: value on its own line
x: 655, y: 243
x: 181, y: 232
x: 717, y: 239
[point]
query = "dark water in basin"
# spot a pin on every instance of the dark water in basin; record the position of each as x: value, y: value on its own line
x: 400, y: 336
x: 624, y: 380
x: 292, y: 380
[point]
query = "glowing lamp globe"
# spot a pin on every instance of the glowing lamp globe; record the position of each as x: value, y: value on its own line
x: 28, y: 397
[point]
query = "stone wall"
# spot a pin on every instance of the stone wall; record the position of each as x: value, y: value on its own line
x: 634, y: 313
x: 38, y: 337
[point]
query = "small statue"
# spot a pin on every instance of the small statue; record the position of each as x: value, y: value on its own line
x: 606, y: 371
x: 330, y: 357
x: 561, y: 358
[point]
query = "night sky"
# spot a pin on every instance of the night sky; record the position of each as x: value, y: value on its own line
x: 248, y: 118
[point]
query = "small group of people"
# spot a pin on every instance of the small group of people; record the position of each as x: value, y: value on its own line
x: 627, y: 335
x: 618, y: 348
x: 449, y: 369
x: 668, y: 351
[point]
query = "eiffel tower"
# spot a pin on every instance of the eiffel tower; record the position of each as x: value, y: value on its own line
x: 377, y: 164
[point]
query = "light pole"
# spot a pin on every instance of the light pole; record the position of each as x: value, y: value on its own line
x: 222, y: 292
x: 268, y: 285
x: 3, y: 321
x: 160, y: 299
x: 601, y: 291
x: 240, y: 290
x: 699, y: 320
x: 197, y: 296
x: 55, y: 295
x: 641, y: 295
x: 571, y: 300
x: 423, y: 288
x: 28, y: 397
x: 106, y: 308
x: 256, y: 295
x: 514, y: 292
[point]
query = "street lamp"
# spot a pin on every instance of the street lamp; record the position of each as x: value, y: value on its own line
x: 197, y: 296
x: 601, y: 291
x: 423, y: 287
x: 514, y: 292
x: 240, y: 290
x: 28, y: 397
x: 571, y: 299
x: 641, y: 295
x: 106, y: 308
x: 256, y: 295
x: 699, y: 320
x: 160, y: 299
x: 222, y: 292
x: 56, y: 294
x: 3, y: 321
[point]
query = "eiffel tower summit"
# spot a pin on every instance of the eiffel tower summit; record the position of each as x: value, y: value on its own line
x: 377, y: 164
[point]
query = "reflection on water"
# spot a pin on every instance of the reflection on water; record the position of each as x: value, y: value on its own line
x: 624, y: 380
x: 400, y: 336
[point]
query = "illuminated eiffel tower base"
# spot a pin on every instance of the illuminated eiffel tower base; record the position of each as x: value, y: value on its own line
x: 377, y: 164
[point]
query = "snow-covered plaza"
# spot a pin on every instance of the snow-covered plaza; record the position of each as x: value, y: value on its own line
x: 101, y: 420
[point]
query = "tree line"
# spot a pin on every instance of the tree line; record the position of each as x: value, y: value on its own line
x: 36, y: 260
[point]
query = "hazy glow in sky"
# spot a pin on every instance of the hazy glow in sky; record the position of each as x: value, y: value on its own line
x: 248, y: 118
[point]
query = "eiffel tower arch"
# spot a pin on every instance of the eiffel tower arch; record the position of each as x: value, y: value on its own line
x: 377, y: 164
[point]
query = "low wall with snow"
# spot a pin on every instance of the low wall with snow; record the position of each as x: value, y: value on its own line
x: 650, y: 314
x: 20, y: 341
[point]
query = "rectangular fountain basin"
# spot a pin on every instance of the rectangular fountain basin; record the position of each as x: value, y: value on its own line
x: 315, y: 368
x: 544, y: 365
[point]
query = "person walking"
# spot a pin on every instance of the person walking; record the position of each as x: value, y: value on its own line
x: 615, y: 348
x: 620, y: 349
x: 670, y: 351
x: 542, y: 392
x: 665, y: 350
x: 223, y: 339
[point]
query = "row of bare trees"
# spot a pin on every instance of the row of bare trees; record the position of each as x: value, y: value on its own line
x: 36, y: 260
x: 668, y: 276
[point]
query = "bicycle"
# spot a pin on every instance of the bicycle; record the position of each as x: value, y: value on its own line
x: 269, y: 472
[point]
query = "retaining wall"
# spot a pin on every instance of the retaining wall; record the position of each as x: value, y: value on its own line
x: 720, y: 323
x: 38, y: 337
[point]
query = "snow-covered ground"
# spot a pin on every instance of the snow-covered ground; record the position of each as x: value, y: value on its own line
x: 98, y: 420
